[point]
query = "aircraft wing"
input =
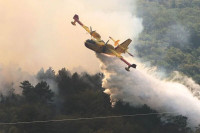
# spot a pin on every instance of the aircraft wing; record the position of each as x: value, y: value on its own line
x: 122, y: 48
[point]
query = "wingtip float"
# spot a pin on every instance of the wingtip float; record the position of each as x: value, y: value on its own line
x: 99, y: 46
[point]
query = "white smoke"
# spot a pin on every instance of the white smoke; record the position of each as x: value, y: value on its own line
x: 141, y: 86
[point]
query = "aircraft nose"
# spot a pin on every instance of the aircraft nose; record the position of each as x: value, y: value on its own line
x: 89, y: 43
x: 86, y: 44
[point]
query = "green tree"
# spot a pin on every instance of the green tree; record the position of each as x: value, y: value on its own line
x: 39, y: 93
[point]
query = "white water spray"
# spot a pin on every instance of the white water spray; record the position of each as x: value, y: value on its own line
x: 140, y: 87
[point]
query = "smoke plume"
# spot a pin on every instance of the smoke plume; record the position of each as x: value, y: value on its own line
x: 39, y: 34
x: 48, y: 76
x: 10, y: 78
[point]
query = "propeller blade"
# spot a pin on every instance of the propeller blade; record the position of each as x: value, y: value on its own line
x: 107, y: 41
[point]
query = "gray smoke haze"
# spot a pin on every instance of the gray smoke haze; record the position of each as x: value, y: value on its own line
x: 50, y: 77
x: 10, y: 78
x: 141, y: 86
x: 178, y: 34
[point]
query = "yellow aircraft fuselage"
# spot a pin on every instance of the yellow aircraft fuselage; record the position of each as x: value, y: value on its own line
x: 99, y: 46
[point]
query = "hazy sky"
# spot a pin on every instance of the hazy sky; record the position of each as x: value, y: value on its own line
x: 38, y: 33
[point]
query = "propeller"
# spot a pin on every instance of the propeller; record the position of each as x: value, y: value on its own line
x: 107, y: 42
x: 91, y: 30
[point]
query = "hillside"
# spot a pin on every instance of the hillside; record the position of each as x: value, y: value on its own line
x: 78, y: 96
x: 171, y: 35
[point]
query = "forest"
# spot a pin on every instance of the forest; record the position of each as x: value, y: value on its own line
x: 171, y: 36
x: 170, y: 40
x: 78, y: 95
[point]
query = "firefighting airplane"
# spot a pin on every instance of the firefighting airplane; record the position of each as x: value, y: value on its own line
x: 99, y: 46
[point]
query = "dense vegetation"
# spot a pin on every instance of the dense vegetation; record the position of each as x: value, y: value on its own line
x: 77, y: 96
x: 170, y: 40
x: 171, y: 36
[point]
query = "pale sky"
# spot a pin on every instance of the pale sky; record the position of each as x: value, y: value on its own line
x: 38, y: 33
